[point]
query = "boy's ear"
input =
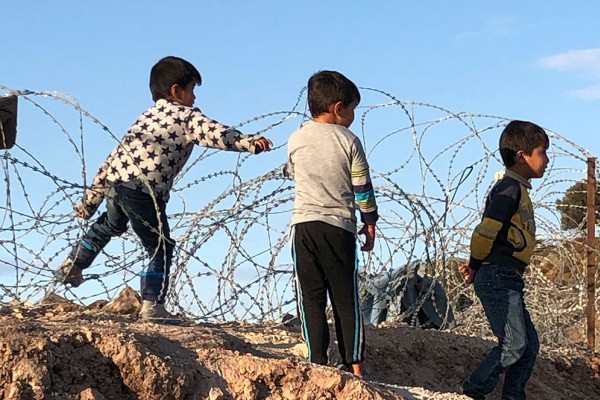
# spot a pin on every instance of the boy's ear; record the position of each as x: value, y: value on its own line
x: 519, y: 157
x: 336, y: 107
x: 175, y: 91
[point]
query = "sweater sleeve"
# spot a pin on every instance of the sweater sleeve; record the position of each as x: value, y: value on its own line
x: 502, y: 204
x: 207, y: 132
x: 362, y: 185
x: 95, y: 193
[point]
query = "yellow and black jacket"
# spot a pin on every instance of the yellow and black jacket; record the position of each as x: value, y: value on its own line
x: 506, y: 233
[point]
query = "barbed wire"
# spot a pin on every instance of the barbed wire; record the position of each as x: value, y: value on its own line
x: 229, y: 213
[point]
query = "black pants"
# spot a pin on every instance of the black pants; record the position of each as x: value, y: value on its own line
x: 325, y: 263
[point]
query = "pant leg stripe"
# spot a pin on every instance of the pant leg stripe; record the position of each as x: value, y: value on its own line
x: 303, y: 322
x: 359, y: 328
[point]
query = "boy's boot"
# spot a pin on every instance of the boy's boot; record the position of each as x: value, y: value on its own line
x: 69, y: 272
x: 471, y: 393
x: 156, y: 313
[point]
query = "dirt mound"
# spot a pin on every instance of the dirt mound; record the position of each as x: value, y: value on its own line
x: 59, y: 350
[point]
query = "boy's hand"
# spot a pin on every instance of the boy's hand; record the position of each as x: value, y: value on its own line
x: 467, y: 273
x: 369, y: 232
x: 263, y: 144
x: 83, y: 212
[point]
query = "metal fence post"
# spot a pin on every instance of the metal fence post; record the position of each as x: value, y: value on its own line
x: 591, y: 253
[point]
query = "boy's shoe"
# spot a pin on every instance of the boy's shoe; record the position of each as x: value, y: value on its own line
x: 471, y: 393
x: 343, y: 367
x: 69, y: 273
x: 156, y: 313
x: 474, y: 396
x: 355, y: 369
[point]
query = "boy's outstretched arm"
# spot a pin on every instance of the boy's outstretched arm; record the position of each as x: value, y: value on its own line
x: 207, y: 132
x: 263, y: 144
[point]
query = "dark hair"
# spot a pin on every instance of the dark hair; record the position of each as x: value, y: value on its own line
x: 521, y: 135
x: 328, y: 87
x: 171, y: 71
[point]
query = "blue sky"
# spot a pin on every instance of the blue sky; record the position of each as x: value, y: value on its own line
x: 536, y: 60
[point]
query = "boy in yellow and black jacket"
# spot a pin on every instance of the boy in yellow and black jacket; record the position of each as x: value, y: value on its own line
x: 501, y: 248
x: 499, y: 239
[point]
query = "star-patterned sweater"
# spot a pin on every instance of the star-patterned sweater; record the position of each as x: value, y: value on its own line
x: 157, y: 146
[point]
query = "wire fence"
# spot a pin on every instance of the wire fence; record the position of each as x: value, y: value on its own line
x: 229, y: 214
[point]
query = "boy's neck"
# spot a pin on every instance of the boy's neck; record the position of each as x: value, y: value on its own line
x: 325, y: 118
x: 519, y: 174
x: 521, y: 170
x: 171, y: 99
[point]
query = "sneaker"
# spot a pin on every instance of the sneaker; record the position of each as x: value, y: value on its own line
x: 472, y: 393
x: 156, y: 313
x: 473, y: 396
x: 343, y: 367
x: 355, y: 369
x: 69, y: 273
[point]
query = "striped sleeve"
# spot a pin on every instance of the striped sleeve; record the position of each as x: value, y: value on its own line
x: 363, y: 187
x: 482, y: 241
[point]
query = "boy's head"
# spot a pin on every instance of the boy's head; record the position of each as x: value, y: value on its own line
x: 171, y: 73
x: 330, y: 91
x: 523, y: 145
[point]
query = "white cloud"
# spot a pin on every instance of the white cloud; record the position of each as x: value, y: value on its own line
x: 585, y: 61
x: 588, y: 93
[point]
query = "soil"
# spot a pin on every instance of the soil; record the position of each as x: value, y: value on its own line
x: 58, y: 350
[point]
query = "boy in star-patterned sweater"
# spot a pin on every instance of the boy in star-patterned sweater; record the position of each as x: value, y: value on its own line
x: 137, y: 177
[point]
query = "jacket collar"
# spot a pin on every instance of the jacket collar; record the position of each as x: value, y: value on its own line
x: 517, y: 177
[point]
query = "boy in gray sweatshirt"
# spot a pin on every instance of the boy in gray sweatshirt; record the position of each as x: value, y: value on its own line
x: 332, y: 177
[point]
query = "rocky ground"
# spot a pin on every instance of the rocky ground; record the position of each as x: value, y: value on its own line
x: 59, y: 350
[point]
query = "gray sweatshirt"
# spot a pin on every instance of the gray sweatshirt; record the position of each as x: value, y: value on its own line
x: 331, y: 173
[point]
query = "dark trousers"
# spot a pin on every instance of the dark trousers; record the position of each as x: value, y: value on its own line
x: 325, y: 263
x: 500, y: 289
x: 149, y: 221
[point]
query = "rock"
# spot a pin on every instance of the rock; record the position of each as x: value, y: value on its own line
x: 290, y: 321
x: 97, y: 305
x: 215, y: 394
x: 91, y: 394
x: 128, y: 302
x: 58, y: 304
x: 326, y: 380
